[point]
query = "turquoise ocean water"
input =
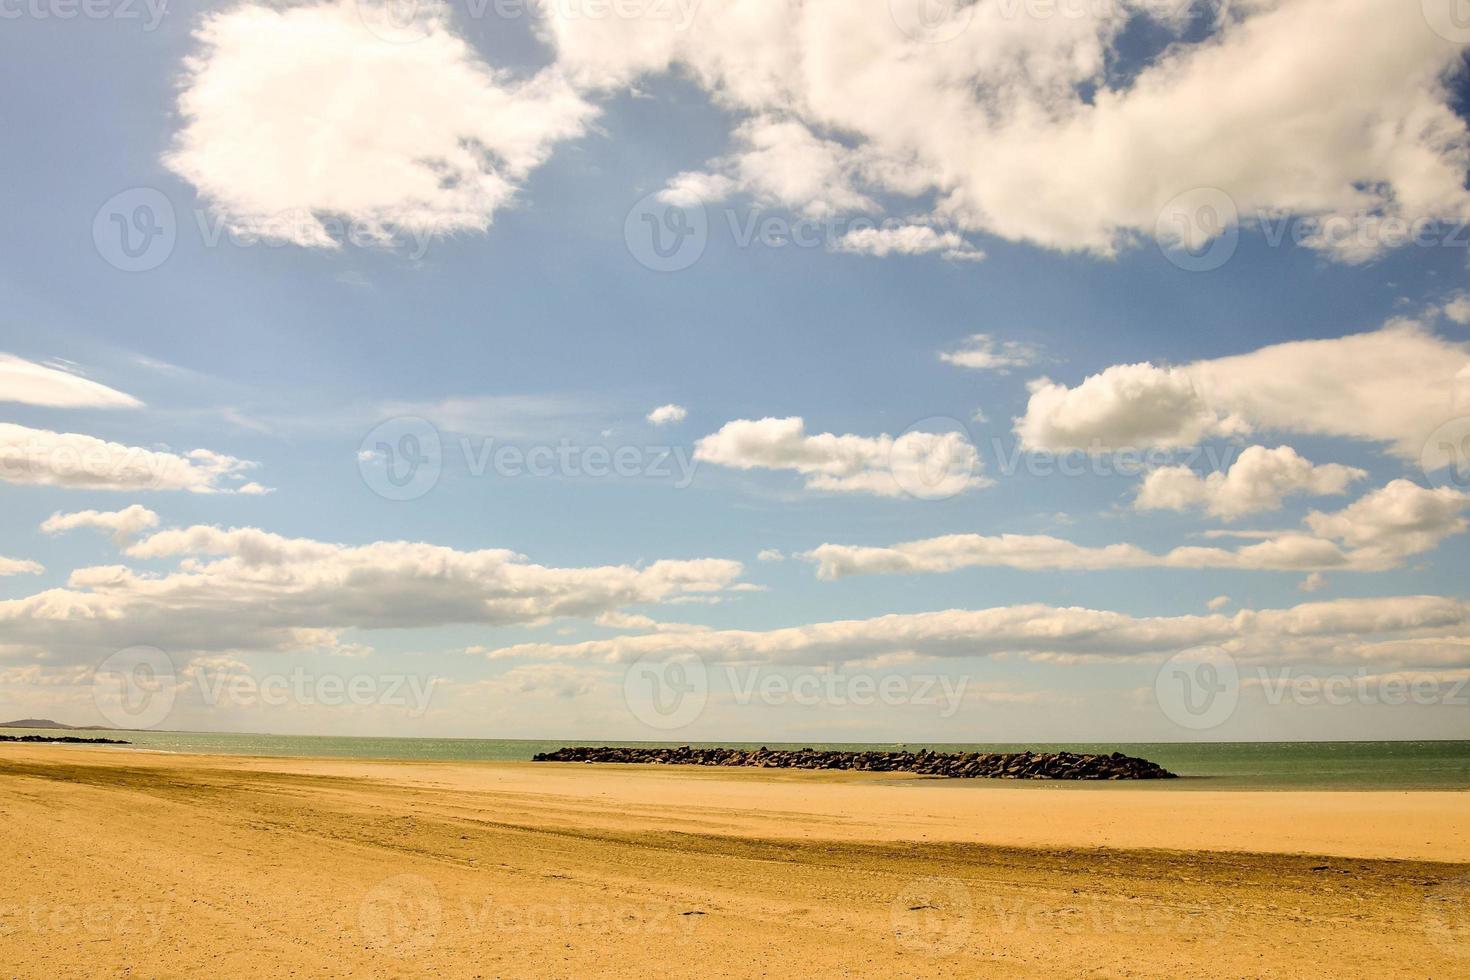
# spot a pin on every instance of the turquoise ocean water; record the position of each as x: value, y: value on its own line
x: 1208, y: 765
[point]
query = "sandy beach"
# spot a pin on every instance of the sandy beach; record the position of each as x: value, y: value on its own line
x: 124, y: 863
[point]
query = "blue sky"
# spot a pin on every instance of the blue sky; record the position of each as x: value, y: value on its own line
x: 529, y: 320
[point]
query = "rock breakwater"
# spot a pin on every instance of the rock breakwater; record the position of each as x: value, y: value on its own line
x: 68, y: 739
x: 952, y: 765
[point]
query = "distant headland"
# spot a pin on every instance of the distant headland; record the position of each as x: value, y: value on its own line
x: 47, y: 723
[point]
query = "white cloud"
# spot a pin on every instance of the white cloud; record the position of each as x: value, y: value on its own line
x: 1041, y: 552
x: 1374, y: 533
x: 19, y: 566
x: 770, y: 554
x: 1124, y: 406
x: 1325, y: 631
x: 983, y: 352
x: 36, y: 384
x: 245, y: 589
x: 633, y: 621
x: 73, y: 460
x: 692, y: 189
x: 668, y: 414
x: 779, y: 162
x: 1458, y: 309
x: 124, y: 524
x: 1394, y: 386
x: 1259, y: 480
x: 907, y: 240
x: 298, y: 113
x: 1396, y: 521
x: 1013, y: 126
x: 916, y: 463
x: 1218, y: 603
x: 1314, y: 582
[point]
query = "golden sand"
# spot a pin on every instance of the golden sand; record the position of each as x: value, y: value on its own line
x: 122, y: 863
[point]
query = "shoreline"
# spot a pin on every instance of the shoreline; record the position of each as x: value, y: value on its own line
x: 1425, y: 825
x: 1392, y: 781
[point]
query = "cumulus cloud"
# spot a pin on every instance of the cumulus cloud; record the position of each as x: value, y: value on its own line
x: 76, y: 461
x: 1458, y: 309
x: 668, y: 414
x: 983, y: 352
x: 920, y: 464
x: 1374, y: 533
x: 1325, y: 631
x: 693, y: 188
x: 302, y: 113
x: 30, y: 383
x: 1399, y: 520
x: 19, y: 566
x: 1393, y: 386
x: 124, y: 525
x: 1259, y: 480
x: 907, y: 240
x: 635, y: 621
x: 248, y: 589
x: 1124, y: 406
x: 1218, y: 603
x: 779, y: 162
x: 770, y: 554
x: 1071, y: 157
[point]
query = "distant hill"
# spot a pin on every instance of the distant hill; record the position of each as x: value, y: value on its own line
x: 48, y: 723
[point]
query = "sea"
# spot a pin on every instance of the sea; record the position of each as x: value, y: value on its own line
x: 1388, y: 766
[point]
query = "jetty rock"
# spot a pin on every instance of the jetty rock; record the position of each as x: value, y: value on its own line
x: 62, y: 739
x: 951, y: 765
